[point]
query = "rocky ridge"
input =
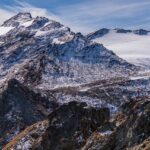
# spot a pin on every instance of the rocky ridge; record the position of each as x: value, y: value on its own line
x: 76, y: 126
x: 104, y: 31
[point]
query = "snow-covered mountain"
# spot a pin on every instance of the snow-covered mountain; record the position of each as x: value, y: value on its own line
x: 43, y: 52
x: 59, y: 89
x: 132, y: 45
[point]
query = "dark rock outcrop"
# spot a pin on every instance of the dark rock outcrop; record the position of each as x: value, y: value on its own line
x: 68, y: 128
x: 132, y: 130
x: 76, y: 126
x: 98, y: 34
x: 71, y: 125
x: 141, y: 32
x: 123, y: 31
x: 20, y: 107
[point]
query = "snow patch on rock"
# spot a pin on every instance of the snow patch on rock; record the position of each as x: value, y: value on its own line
x: 4, y: 30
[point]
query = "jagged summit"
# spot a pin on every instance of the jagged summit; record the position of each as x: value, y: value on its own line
x: 17, y: 20
x: 23, y: 15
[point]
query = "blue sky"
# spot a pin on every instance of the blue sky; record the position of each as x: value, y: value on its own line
x: 84, y: 15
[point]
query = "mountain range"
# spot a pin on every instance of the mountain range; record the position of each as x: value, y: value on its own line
x: 55, y: 53
x: 132, y: 45
x: 61, y: 90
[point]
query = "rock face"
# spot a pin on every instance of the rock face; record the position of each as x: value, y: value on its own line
x: 136, y: 128
x: 76, y: 126
x: 21, y: 107
x: 131, y: 132
x: 71, y: 125
x: 30, y: 138
x: 68, y: 128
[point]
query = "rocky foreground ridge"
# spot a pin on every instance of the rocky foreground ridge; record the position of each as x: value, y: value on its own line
x: 78, y: 126
x: 61, y: 91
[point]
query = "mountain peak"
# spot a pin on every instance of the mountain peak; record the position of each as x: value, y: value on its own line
x: 141, y: 32
x: 15, y: 21
x: 98, y: 33
x: 24, y: 15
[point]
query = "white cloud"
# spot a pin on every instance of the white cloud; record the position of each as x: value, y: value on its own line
x: 5, y: 14
x: 87, y: 16
x: 9, y: 11
x: 22, y: 6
